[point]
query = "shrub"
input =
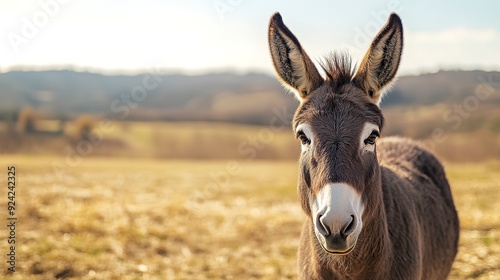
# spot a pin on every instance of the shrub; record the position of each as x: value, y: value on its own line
x: 84, y: 125
x: 26, y: 120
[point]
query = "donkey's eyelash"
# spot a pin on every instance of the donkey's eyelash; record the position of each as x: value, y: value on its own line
x: 303, y: 137
x: 371, y: 139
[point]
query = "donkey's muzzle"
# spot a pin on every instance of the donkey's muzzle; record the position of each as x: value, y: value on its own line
x: 335, y: 240
x: 337, y: 210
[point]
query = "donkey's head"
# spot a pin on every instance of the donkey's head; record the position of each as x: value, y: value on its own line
x: 338, y: 123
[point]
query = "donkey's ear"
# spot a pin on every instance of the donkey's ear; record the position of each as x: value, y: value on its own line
x: 294, y: 67
x: 380, y: 64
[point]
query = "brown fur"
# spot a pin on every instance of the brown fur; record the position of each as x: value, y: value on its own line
x: 410, y: 225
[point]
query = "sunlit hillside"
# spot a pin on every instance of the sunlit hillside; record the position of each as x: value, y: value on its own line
x: 180, y: 116
x: 226, y: 97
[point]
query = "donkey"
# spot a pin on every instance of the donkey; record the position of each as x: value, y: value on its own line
x: 375, y: 209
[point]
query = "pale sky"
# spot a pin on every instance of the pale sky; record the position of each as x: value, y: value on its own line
x: 198, y: 36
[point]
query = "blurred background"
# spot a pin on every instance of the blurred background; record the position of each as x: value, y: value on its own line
x: 163, y: 119
x: 194, y: 79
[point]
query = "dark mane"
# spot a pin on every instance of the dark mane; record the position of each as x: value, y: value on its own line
x: 338, y: 69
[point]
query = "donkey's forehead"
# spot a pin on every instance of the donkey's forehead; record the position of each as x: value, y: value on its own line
x: 345, y: 104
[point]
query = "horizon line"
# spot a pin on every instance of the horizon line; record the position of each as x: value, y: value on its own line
x: 202, y: 72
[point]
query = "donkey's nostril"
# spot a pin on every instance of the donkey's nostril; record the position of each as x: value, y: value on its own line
x: 321, y: 226
x: 349, y: 228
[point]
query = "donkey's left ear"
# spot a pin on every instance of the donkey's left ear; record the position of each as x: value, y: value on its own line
x: 380, y: 64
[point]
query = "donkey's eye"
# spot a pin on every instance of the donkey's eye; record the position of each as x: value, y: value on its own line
x: 303, y: 138
x: 371, y: 139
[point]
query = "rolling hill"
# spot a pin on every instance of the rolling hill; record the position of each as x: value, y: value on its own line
x: 227, y: 97
x: 456, y: 112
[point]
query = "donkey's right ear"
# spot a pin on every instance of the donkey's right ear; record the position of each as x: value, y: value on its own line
x: 294, y: 67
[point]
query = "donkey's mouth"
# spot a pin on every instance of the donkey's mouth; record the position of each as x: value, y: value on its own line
x: 336, y: 252
x: 335, y: 245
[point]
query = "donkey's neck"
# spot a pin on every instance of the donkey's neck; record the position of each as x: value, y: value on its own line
x: 372, y: 255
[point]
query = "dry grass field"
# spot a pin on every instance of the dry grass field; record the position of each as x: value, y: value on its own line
x: 152, y: 219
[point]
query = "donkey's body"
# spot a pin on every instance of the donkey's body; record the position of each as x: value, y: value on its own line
x: 375, y: 209
x: 405, y: 240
